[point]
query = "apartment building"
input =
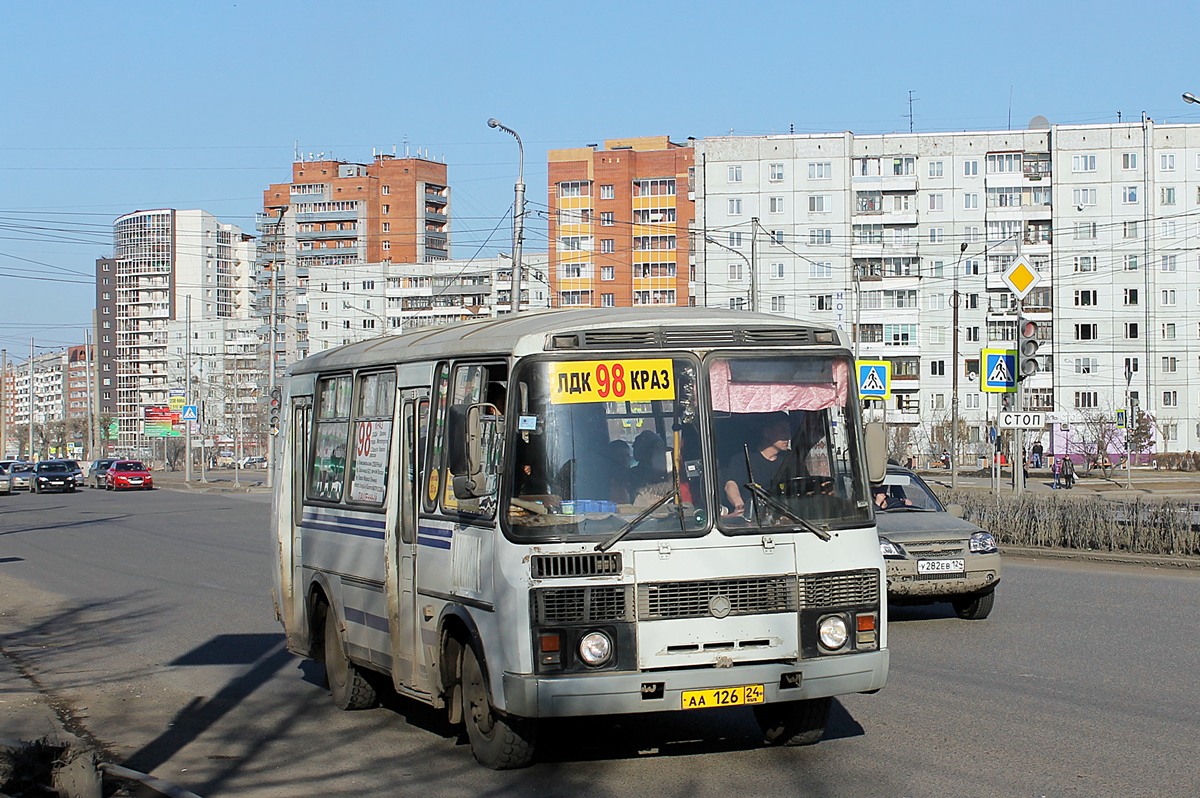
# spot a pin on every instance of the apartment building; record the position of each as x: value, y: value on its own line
x: 58, y: 397
x: 166, y: 265
x: 336, y: 213
x: 880, y: 233
x: 618, y: 224
x: 353, y: 303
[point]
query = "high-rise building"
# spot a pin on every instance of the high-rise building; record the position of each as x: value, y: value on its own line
x: 881, y: 233
x: 336, y: 213
x: 619, y: 224
x: 166, y: 263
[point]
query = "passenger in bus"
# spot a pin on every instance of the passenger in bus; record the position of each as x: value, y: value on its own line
x: 765, y: 460
x: 650, y: 475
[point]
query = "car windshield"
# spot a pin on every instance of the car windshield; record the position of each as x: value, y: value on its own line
x: 53, y: 467
x: 904, y: 492
x: 20, y: 468
x: 130, y: 466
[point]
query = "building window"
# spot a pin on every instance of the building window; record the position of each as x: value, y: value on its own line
x: 1129, y: 196
x: 608, y: 192
x: 607, y: 219
x: 735, y: 272
x: 776, y: 204
x: 387, y: 209
x: 1087, y: 332
x: 776, y: 238
x: 1168, y: 297
x: 1170, y: 399
x: 1085, y: 231
x: 735, y: 239
x: 1086, y: 298
x: 820, y: 235
x: 935, y: 169
x: 820, y: 203
x: 1167, y: 195
x: 1170, y: 365
x: 937, y: 235
x: 1131, y: 296
x: 1168, y: 331
x: 1085, y: 263
x: 775, y: 172
x: 1129, y: 160
x: 1166, y: 162
x: 937, y: 202
x: 1084, y: 197
x: 1129, y: 229
x: 970, y: 201
x: 1131, y: 330
x: 1087, y: 365
x: 608, y: 300
x: 776, y: 271
x: 607, y: 246
x: 823, y: 302
x: 1169, y: 263
x: 608, y: 273
x: 820, y: 271
x: 820, y: 170
x: 1083, y: 163
x: 970, y: 168
x: 778, y: 304
x: 1086, y: 400
x: 735, y: 174
x: 937, y: 368
x: 385, y: 189
x: 735, y: 206
x: 575, y: 188
x: 1130, y: 263
x: 1003, y: 162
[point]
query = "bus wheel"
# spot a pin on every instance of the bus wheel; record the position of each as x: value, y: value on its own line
x: 498, y: 741
x: 347, y: 684
x: 794, y: 722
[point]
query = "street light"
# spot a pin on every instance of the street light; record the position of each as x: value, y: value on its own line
x: 518, y: 215
x: 749, y: 268
x: 962, y: 248
x: 1188, y: 97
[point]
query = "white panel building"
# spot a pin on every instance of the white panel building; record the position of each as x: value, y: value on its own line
x: 878, y: 233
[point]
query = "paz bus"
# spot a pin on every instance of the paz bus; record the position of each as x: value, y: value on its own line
x: 537, y: 516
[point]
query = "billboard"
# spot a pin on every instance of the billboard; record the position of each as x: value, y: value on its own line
x: 160, y: 422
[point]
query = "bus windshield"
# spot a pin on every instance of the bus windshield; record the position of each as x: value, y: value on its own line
x: 783, y: 431
x: 601, y: 442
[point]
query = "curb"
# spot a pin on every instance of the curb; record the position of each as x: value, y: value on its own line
x: 1118, y: 557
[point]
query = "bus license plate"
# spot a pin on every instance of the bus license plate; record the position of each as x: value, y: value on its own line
x: 941, y: 566
x: 723, y: 697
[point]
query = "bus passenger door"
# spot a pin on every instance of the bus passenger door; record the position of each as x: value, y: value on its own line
x: 295, y: 463
x: 407, y: 676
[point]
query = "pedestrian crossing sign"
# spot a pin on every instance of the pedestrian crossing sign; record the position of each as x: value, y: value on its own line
x: 189, y: 413
x: 999, y: 370
x: 874, y: 379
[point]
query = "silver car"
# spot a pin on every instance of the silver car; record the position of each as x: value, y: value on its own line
x: 5, y: 481
x: 932, y: 554
x: 22, y: 475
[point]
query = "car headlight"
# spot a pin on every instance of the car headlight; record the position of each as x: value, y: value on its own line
x: 595, y: 648
x: 832, y: 632
x: 889, y: 549
x: 983, y: 543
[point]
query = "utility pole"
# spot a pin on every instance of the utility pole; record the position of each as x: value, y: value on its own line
x: 954, y: 303
x: 1129, y: 415
x: 87, y: 373
x: 3, y: 402
x: 187, y: 393
x: 32, y: 458
x: 518, y: 215
x: 753, y: 264
x: 279, y: 230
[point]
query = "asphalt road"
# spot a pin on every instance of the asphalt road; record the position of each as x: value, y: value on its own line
x: 148, y: 615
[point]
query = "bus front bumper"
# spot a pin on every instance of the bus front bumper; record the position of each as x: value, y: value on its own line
x: 620, y: 693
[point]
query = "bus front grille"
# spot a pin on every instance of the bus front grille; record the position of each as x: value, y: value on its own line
x: 754, y: 596
x: 841, y: 589
x: 550, y: 566
x: 585, y: 604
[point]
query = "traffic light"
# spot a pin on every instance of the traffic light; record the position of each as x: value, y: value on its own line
x: 1027, y: 347
x: 276, y: 402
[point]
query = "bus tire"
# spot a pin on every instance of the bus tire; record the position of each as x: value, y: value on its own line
x: 975, y: 608
x: 498, y: 742
x: 793, y: 722
x: 347, y: 684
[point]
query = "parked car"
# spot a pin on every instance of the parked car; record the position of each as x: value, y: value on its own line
x: 932, y: 554
x: 253, y: 462
x: 98, y: 470
x: 6, y: 487
x: 53, y: 475
x: 124, y: 474
x: 22, y: 475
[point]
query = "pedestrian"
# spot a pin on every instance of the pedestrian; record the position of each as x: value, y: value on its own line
x: 1037, y: 454
x: 1057, y: 469
x: 1068, y: 472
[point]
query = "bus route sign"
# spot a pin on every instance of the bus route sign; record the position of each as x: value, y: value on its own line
x: 584, y: 381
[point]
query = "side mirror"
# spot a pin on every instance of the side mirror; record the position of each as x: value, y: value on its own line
x: 875, y: 436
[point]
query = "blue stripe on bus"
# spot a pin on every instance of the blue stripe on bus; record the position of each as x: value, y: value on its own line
x: 434, y: 537
x: 366, y: 619
x: 326, y: 522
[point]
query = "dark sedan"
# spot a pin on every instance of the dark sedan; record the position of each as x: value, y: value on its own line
x: 98, y: 470
x: 53, y: 475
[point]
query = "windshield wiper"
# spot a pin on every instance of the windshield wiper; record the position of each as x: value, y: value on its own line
x: 605, y: 545
x: 760, y: 494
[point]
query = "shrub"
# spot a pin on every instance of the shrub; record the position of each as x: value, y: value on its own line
x: 1086, y: 523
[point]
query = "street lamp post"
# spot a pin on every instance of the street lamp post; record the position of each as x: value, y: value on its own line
x: 272, y: 343
x: 518, y: 215
x: 954, y: 302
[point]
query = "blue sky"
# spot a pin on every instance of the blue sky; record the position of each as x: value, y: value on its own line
x: 109, y: 107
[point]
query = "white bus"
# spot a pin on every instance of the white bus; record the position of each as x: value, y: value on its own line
x: 578, y: 513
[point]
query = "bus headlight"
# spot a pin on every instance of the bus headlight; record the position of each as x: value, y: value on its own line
x: 832, y: 632
x: 595, y: 648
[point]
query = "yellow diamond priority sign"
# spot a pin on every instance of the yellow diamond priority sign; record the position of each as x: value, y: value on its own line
x: 1020, y: 277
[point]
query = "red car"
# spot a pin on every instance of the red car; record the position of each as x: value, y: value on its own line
x: 128, y: 474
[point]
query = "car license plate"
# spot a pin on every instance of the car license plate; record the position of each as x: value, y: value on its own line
x: 723, y: 697
x: 941, y: 566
